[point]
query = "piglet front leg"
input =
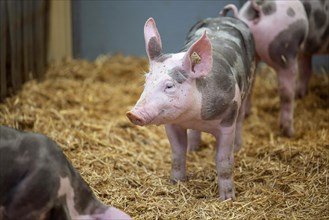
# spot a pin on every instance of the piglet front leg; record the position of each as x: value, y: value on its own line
x: 178, y: 141
x: 225, y: 162
x: 193, y: 140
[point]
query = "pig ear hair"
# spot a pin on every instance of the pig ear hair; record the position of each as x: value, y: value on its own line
x: 152, y: 39
x: 198, y: 58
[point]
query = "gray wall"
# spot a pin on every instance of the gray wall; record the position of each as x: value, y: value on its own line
x: 111, y: 26
x: 101, y: 27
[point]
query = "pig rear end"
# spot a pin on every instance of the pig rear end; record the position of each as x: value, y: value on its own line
x: 280, y: 28
x: 287, y: 35
x: 317, y: 41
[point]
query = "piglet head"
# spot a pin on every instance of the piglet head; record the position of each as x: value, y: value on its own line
x: 170, y: 89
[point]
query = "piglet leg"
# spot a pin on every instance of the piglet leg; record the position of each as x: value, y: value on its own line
x: 178, y: 140
x: 194, y: 139
x: 225, y: 162
x: 239, y: 125
x: 286, y: 86
x: 305, y: 72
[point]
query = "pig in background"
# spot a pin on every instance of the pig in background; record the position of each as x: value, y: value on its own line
x: 38, y: 182
x: 287, y: 34
x: 204, y: 88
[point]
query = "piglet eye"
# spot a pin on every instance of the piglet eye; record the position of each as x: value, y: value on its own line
x: 169, y: 86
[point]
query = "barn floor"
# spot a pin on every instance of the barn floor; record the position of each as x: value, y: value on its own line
x: 82, y: 106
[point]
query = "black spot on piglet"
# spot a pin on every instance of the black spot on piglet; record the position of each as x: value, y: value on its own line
x: 154, y: 49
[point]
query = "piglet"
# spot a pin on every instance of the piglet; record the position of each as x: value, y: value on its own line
x: 203, y: 87
x: 38, y: 182
x: 287, y: 34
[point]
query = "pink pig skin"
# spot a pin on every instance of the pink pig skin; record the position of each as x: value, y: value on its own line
x: 180, y: 90
x: 287, y: 34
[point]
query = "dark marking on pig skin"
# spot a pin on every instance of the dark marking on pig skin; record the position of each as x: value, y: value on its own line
x: 56, y: 213
x: 154, y: 48
x: 320, y: 18
x: 189, y: 39
x: 36, y: 165
x: 311, y: 46
x: 269, y: 7
x: 218, y: 87
x: 284, y: 48
x: 317, y: 13
x: 232, y: 112
x: 290, y: 12
x: 24, y: 178
x: 247, y: 54
x: 322, y: 1
x: 230, y: 50
x: 308, y: 8
x: 217, y: 92
x: 325, y: 34
x: 177, y: 74
x: 82, y: 194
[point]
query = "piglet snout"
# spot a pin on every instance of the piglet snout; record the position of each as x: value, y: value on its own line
x: 135, y: 119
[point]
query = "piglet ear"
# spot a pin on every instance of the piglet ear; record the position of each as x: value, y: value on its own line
x: 152, y: 39
x: 198, y: 59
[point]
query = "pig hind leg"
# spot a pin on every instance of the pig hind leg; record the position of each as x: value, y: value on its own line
x: 178, y: 140
x: 248, y: 98
x: 194, y: 140
x: 239, y: 124
x: 305, y: 72
x: 286, y: 87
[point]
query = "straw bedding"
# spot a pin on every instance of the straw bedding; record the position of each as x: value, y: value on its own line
x: 82, y: 105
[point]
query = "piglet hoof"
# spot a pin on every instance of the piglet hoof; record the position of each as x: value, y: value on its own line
x: 194, y: 147
x: 287, y: 131
x: 301, y: 93
x: 176, y: 179
x: 226, y: 191
x: 237, y: 147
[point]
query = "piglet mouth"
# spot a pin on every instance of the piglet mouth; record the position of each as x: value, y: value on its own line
x: 135, y: 119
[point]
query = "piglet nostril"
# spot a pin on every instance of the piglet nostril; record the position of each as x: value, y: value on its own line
x: 135, y: 119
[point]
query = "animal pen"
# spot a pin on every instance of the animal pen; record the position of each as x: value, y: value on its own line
x: 82, y: 104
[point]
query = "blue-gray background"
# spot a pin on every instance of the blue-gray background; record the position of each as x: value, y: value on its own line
x: 112, y: 26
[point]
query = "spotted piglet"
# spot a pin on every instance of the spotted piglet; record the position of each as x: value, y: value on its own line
x: 37, y: 182
x: 284, y: 32
x: 203, y: 87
